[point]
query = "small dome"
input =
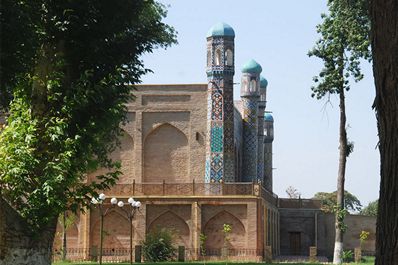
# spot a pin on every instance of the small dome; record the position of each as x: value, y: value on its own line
x: 268, y: 117
x: 263, y: 82
x: 252, y: 67
x: 221, y: 29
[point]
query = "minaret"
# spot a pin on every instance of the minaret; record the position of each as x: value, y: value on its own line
x: 261, y: 111
x: 268, y: 139
x: 220, y: 110
x: 250, y: 94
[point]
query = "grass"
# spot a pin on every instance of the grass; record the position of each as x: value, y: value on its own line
x: 368, y: 261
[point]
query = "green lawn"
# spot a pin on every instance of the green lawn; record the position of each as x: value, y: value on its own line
x: 369, y: 260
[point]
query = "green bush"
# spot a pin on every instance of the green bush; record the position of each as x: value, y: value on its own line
x: 348, y: 256
x: 158, y: 245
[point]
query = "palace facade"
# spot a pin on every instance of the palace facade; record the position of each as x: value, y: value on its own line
x: 197, y: 159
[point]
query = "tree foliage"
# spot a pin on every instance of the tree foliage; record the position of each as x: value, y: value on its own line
x: 351, y: 202
x: 158, y: 245
x: 371, y: 208
x: 344, y: 42
x: 72, y: 76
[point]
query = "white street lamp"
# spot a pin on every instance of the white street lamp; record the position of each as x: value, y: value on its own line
x: 113, y: 201
x: 134, y: 206
x: 94, y: 201
x: 99, y: 202
x: 101, y: 197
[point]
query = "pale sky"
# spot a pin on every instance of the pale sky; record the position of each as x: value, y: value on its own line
x: 278, y: 35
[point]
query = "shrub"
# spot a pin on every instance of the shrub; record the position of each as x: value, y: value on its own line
x: 348, y: 256
x: 158, y: 245
x: 202, y: 238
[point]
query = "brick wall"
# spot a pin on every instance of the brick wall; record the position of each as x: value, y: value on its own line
x: 317, y: 228
x: 18, y: 245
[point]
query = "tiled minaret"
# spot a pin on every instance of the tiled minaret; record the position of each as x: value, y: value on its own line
x: 261, y: 111
x: 220, y: 111
x: 250, y: 94
x: 268, y: 139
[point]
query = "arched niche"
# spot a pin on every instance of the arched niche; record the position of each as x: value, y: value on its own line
x: 166, y: 155
x: 214, y: 231
x: 175, y: 224
x: 218, y: 57
x: 252, y: 86
x: 72, y: 236
x: 229, y: 57
x: 116, y: 232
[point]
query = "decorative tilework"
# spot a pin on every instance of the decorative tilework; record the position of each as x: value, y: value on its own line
x: 260, y: 153
x: 216, y: 162
x: 220, y: 134
x: 207, y: 171
x: 217, y: 106
x: 229, y: 168
x: 216, y: 176
x: 217, y: 165
x: 216, y: 138
x: 250, y: 139
x: 260, y: 157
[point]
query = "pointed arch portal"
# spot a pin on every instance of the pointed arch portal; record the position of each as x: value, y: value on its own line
x: 176, y: 224
x: 214, y: 231
x: 166, y: 155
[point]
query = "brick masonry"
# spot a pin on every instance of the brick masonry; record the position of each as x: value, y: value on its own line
x: 18, y: 244
x: 317, y: 228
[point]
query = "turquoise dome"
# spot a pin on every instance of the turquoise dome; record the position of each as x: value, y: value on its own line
x: 221, y: 29
x: 263, y: 82
x: 252, y: 67
x: 268, y: 117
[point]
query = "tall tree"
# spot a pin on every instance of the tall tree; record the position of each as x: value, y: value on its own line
x: 68, y: 100
x: 344, y: 41
x: 384, y: 33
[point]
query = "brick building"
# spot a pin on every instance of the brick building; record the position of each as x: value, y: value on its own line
x: 197, y: 160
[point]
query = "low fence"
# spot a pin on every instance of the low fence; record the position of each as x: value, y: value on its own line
x: 123, y: 254
x: 194, y: 189
x: 182, y: 189
x: 92, y: 254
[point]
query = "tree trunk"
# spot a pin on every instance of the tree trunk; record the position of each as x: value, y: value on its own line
x: 64, y: 236
x: 18, y: 244
x: 338, y: 243
x: 384, y: 32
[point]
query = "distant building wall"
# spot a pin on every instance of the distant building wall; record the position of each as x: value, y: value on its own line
x: 297, y: 230
x: 303, y: 224
x: 355, y: 224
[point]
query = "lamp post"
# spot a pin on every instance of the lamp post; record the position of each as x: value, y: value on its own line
x: 130, y: 212
x: 99, y: 203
